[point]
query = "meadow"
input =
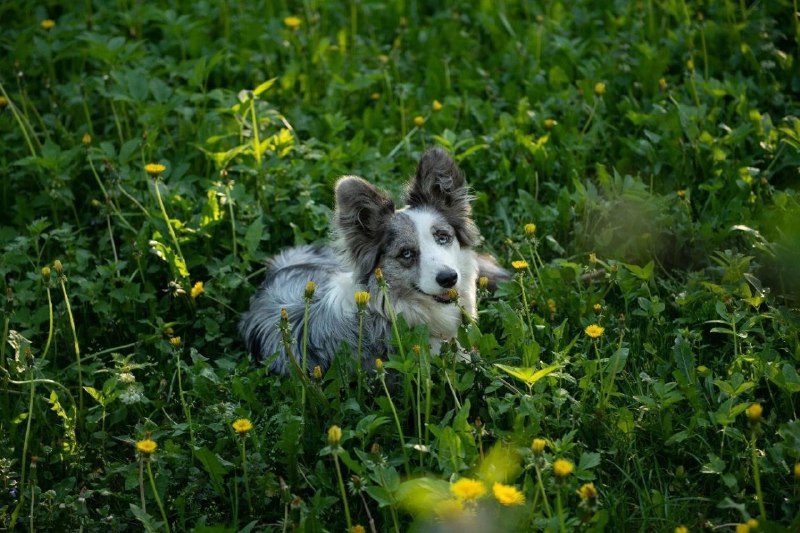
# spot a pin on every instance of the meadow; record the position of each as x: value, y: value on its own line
x: 634, y: 163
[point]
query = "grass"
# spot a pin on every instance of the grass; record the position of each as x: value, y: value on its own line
x: 654, y: 146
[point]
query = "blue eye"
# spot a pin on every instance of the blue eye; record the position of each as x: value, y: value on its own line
x: 443, y: 238
x: 406, y: 254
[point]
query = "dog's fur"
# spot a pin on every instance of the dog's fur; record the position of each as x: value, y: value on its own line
x: 423, y: 250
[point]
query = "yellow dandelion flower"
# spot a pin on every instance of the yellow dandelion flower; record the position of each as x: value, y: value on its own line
x: 175, y: 341
x: 362, y: 299
x: 562, y: 468
x: 507, y: 495
x: 317, y: 373
x: 46, y: 273
x: 662, y: 84
x: 530, y: 229
x: 681, y: 529
x: 468, y: 489
x: 146, y: 446
x: 334, y: 435
x: 154, y: 169
x: 47, y: 24
x: 599, y: 88
x: 242, y: 426
x: 358, y: 528
x: 419, y: 121
x: 587, y: 491
x: 86, y: 139
x: 752, y: 523
x: 597, y: 308
x: 742, y: 528
x: 452, y: 294
x: 379, y: 364
x: 375, y: 96
x: 594, y: 331
x: 549, y: 123
x: 538, y: 446
x: 754, y: 412
x: 3, y: 102
x: 436, y: 105
x: 519, y: 265
x: 483, y: 283
x: 292, y: 22
x: 197, y: 289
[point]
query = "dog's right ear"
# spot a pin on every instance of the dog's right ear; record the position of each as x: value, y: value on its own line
x: 361, y: 216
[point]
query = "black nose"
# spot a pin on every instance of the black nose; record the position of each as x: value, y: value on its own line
x: 447, y: 278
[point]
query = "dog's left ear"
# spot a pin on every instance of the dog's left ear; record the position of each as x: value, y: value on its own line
x: 440, y: 184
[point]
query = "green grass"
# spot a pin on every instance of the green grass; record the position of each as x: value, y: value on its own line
x: 654, y: 144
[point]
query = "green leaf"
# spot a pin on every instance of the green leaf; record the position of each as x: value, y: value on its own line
x: 149, y: 523
x: 528, y: 375
x: 264, y: 87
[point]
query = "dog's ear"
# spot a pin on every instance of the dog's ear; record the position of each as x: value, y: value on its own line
x: 361, y: 216
x: 440, y: 184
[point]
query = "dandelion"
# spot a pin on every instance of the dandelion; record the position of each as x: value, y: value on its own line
x: 752, y: 524
x: 587, y: 491
x: 375, y: 96
x: 703, y: 370
x: 242, y: 426
x: 292, y: 22
x: 452, y: 294
x: 154, y: 169
x: 86, y: 139
x: 175, y: 341
x: 468, y: 489
x: 334, y: 435
x: 597, y: 308
x: 593, y: 258
x: 3, y: 102
x: 538, y: 446
x: 681, y: 194
x: 742, y: 528
x: 436, y: 105
x: 379, y: 275
x: 46, y: 273
x: 519, y: 265
x: 311, y: 287
x: 419, y: 121
x: 662, y: 84
x: 681, y: 529
x: 594, y: 331
x: 358, y: 528
x: 48, y: 24
x: 379, y: 364
x: 562, y: 468
x: 530, y: 229
x: 483, y: 283
x: 197, y: 289
x: 146, y: 446
x: 317, y: 373
x: 549, y: 123
x: 58, y: 266
x: 754, y: 413
x: 362, y: 299
x: 690, y: 63
x: 551, y: 306
x: 797, y: 470
x: 599, y: 88
x: 507, y: 495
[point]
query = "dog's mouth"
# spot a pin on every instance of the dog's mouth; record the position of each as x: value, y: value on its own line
x: 445, y: 297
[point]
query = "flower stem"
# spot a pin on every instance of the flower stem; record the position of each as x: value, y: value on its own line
x: 156, y: 496
x: 246, y: 481
x: 305, y: 352
x: 757, y: 476
x: 396, y: 420
x: 169, y: 226
x: 342, y: 491
x: 185, y: 406
x: 561, y: 524
x: 62, y: 280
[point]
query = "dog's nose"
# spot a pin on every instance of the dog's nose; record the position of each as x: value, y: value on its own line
x: 447, y: 278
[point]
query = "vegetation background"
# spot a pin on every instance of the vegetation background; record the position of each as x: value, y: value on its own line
x: 637, y: 160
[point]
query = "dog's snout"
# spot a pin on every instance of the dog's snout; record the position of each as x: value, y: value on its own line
x: 447, y: 278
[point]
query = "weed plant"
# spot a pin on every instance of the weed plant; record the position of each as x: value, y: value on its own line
x: 635, y: 164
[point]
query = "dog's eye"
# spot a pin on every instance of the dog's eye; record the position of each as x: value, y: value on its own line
x: 407, y: 254
x: 443, y: 238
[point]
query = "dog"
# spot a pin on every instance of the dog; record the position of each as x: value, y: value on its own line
x: 423, y: 250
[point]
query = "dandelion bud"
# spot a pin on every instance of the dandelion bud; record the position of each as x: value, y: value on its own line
x: 375, y: 96
x: 358, y: 528
x: 175, y: 341
x: 797, y: 470
x: 587, y: 491
x: 680, y: 472
x: 419, y: 121
x: 296, y: 503
x: 551, y: 306
x: 376, y: 449
x: 416, y: 349
x: 46, y: 273
x: 681, y: 529
x: 754, y: 413
x: 452, y: 294
x: 681, y: 194
x: 549, y: 123
x: 662, y: 84
x: 284, y: 315
x: 538, y: 446
x: 317, y: 373
x: 310, y: 288
x: 483, y: 283
x: 334, y: 435
x: 752, y: 524
x: 597, y: 308
x: 599, y: 88
x: 530, y: 229
x: 86, y: 139
x: 478, y: 422
x: 592, y: 258
x: 58, y: 267
x: 3, y: 102
x: 379, y: 364
x: 379, y: 275
x: 436, y: 105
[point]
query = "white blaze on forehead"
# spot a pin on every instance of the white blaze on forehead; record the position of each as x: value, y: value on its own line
x: 434, y: 257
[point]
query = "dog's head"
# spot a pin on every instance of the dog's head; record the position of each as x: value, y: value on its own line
x: 423, y: 247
